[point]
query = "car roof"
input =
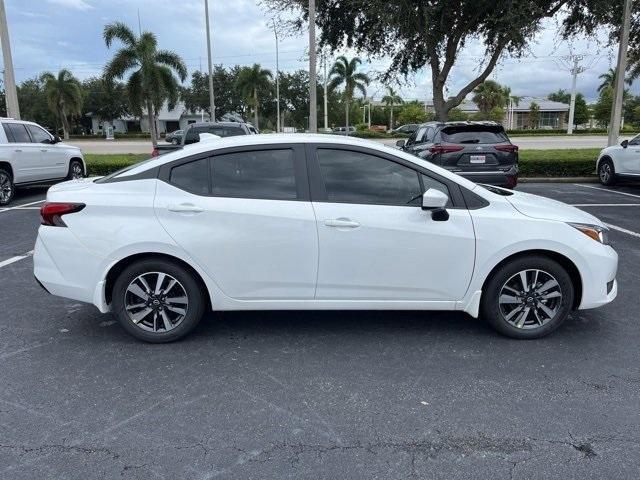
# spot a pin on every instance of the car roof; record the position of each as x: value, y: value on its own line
x: 216, y: 124
x: 289, y: 139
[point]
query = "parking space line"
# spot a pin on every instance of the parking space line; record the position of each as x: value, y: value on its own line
x: 605, y: 204
x: 607, y: 190
x: 21, y: 206
x: 15, y: 259
x: 623, y: 230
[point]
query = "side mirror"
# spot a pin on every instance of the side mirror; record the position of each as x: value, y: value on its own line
x: 56, y: 139
x: 400, y: 143
x: 436, y: 201
x: 624, y: 144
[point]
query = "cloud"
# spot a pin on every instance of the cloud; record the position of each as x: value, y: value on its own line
x: 75, y: 4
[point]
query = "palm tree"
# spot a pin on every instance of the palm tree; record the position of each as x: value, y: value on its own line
x: 251, y: 81
x: 609, y: 80
x: 64, y: 96
x: 152, y: 80
x: 390, y: 100
x: 488, y: 95
x: 344, y: 73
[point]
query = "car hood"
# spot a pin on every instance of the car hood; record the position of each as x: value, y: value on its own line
x: 546, y: 209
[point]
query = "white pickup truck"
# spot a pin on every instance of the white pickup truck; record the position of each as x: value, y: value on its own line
x: 31, y: 155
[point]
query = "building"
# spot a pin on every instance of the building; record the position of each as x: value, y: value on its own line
x: 552, y: 116
x: 168, y: 121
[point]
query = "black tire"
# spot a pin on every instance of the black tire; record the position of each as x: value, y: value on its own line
x: 606, y: 172
x: 7, y: 187
x: 493, y: 313
x: 76, y: 170
x: 195, y: 297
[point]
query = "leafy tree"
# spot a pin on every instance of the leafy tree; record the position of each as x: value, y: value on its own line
x: 488, y: 96
x: 227, y: 97
x: 252, y: 81
x: 581, y: 113
x: 64, y: 96
x: 534, y: 115
x: 344, y: 74
x: 421, y: 33
x: 33, y: 103
x: 412, y: 112
x: 602, y: 108
x: 152, y: 80
x: 106, y: 100
x: 390, y: 100
x: 632, y: 111
x: 457, y: 115
x: 609, y: 80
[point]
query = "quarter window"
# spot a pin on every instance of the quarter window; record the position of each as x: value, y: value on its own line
x: 355, y: 177
x: 192, y: 177
x: 16, y: 133
x: 267, y: 174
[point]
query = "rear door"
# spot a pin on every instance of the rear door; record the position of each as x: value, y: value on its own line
x: 26, y: 156
x: 629, y: 158
x: 245, y: 217
x: 376, y: 242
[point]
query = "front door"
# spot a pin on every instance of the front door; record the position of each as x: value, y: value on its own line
x: 630, y: 157
x: 245, y: 217
x: 376, y: 243
x: 55, y: 161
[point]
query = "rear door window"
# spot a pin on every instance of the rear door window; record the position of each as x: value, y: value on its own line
x: 16, y: 133
x: 192, y: 177
x: 473, y: 134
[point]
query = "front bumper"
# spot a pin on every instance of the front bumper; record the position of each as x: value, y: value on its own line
x: 599, y: 284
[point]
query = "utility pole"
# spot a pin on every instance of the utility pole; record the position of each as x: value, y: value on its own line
x: 618, y: 91
x: 212, y: 103
x: 575, y: 71
x: 11, y: 94
x: 369, y: 114
x: 326, y: 83
x: 275, y: 32
x: 313, y: 104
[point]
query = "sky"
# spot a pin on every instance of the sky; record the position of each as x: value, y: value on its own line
x: 47, y: 35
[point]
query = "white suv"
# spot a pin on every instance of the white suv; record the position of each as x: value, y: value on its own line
x: 30, y: 155
x: 619, y: 161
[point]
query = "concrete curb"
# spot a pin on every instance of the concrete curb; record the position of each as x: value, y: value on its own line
x: 593, y: 179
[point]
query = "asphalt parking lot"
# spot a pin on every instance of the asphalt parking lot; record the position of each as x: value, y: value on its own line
x: 335, y: 395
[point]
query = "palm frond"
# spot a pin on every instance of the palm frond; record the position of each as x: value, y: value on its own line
x: 174, y: 61
x: 119, y: 31
x: 124, y: 60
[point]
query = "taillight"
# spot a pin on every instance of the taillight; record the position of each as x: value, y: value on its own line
x: 52, y: 212
x: 155, y: 152
x: 445, y: 148
x: 506, y: 148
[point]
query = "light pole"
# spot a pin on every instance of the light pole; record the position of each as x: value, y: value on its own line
x: 275, y: 32
x: 618, y: 92
x: 326, y: 83
x: 212, y: 104
x: 313, y: 104
x: 11, y: 94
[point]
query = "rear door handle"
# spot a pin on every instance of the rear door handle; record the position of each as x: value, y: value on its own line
x: 185, y: 208
x: 341, y: 223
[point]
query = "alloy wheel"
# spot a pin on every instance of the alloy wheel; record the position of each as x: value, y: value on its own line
x: 6, y: 188
x: 156, y: 302
x: 530, y: 299
x: 605, y: 172
x: 76, y: 171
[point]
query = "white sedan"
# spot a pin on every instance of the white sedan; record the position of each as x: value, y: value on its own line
x: 619, y: 161
x: 307, y: 222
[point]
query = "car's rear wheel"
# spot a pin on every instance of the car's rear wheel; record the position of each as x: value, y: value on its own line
x: 76, y: 170
x: 528, y: 298
x: 157, y: 300
x: 606, y: 172
x: 7, y: 188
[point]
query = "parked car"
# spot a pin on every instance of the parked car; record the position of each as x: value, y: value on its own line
x: 221, y: 129
x: 315, y: 222
x: 619, y: 161
x: 31, y: 155
x: 174, y: 137
x: 479, y: 151
x: 408, y: 129
x: 344, y: 130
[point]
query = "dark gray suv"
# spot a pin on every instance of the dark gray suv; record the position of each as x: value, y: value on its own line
x: 479, y: 151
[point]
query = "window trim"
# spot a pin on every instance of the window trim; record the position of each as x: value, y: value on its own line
x: 317, y: 187
x: 299, y: 164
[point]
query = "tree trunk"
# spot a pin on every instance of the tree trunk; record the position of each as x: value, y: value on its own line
x: 391, y: 119
x: 439, y: 104
x: 65, y: 123
x: 152, y: 124
x: 255, y: 108
x: 346, y: 115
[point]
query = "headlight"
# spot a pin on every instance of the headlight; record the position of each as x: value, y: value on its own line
x: 596, y: 232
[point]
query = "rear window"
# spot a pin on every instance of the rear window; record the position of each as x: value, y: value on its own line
x: 473, y: 134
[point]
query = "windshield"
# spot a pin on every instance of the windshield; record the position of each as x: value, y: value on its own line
x: 473, y: 134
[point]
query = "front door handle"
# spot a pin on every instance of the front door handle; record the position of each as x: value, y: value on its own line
x: 341, y: 223
x: 17, y: 150
x: 185, y: 208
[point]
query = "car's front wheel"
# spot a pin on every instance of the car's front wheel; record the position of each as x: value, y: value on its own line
x: 7, y: 188
x: 157, y: 300
x: 606, y: 172
x: 528, y: 297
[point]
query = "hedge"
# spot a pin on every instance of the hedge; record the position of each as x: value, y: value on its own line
x: 533, y: 163
x: 537, y: 133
